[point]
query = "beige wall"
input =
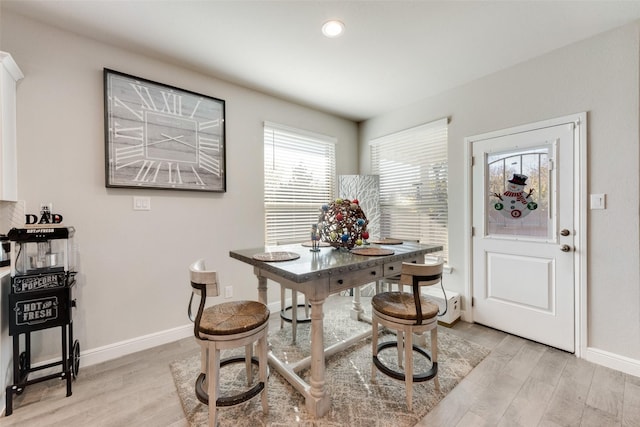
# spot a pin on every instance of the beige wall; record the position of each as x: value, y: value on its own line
x: 599, y: 76
x: 133, y: 278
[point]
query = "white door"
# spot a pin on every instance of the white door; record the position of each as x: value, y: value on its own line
x: 523, y: 233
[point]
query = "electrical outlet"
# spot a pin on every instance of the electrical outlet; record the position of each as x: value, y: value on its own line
x: 228, y: 292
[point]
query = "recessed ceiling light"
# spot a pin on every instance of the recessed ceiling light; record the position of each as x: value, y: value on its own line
x: 332, y: 28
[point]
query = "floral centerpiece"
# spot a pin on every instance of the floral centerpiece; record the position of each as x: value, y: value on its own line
x: 343, y: 224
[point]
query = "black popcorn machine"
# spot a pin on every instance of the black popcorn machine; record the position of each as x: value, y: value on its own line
x: 41, y: 297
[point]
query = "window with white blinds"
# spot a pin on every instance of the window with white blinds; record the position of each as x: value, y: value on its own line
x: 412, y: 165
x: 299, y: 174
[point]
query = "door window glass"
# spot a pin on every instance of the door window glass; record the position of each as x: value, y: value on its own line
x: 519, y: 193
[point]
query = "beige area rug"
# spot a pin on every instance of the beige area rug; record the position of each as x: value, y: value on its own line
x: 355, y: 400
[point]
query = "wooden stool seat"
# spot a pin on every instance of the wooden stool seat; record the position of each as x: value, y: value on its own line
x: 401, y: 305
x: 233, y: 317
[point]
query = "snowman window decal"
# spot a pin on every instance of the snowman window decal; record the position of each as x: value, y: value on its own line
x: 514, y: 202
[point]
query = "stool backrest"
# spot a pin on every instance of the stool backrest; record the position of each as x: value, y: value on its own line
x: 203, y: 279
x: 203, y: 283
x: 416, y: 275
x: 421, y: 274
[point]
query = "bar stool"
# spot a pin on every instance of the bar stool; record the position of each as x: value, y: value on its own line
x: 226, y: 326
x: 406, y: 314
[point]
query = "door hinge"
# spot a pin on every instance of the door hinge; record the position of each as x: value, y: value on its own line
x: 473, y: 301
x: 551, y: 162
x: 473, y: 160
x: 473, y: 231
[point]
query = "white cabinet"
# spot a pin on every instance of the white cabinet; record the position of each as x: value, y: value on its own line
x: 10, y: 74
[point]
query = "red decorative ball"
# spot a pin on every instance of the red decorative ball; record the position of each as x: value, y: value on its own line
x: 365, y: 234
x: 355, y: 201
x: 339, y: 217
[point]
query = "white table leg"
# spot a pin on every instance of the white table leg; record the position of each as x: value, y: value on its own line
x: 294, y: 314
x: 356, y: 308
x: 262, y: 289
x: 262, y: 295
x: 318, y: 400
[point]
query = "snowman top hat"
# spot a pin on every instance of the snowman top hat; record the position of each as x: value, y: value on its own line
x: 519, y: 179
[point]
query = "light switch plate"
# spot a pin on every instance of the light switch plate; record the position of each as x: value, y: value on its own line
x: 598, y: 201
x: 141, y: 203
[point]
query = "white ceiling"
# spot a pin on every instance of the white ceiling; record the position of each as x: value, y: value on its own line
x: 393, y: 53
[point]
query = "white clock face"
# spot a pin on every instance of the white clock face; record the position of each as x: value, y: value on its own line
x: 159, y: 136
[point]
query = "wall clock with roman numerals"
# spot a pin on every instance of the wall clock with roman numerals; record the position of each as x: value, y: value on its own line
x: 160, y: 136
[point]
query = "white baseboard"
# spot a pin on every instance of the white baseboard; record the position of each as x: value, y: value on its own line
x: 113, y: 351
x: 613, y: 361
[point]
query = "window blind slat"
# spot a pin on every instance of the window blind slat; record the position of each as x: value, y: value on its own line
x: 299, y: 170
x: 413, y: 169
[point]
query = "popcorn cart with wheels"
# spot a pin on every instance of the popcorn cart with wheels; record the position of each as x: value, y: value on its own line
x: 41, y: 297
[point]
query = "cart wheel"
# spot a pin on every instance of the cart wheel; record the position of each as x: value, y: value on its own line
x: 75, y: 362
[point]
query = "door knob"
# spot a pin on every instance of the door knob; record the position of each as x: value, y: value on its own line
x: 565, y: 248
x: 565, y: 232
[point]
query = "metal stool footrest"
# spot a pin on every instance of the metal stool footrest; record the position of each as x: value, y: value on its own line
x: 203, y: 396
x: 287, y: 318
x: 425, y: 376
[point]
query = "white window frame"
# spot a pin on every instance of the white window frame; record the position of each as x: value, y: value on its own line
x: 291, y: 206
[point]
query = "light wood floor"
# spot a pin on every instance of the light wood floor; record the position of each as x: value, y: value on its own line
x: 521, y: 383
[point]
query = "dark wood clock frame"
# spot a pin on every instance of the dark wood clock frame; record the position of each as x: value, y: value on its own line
x: 162, y: 137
